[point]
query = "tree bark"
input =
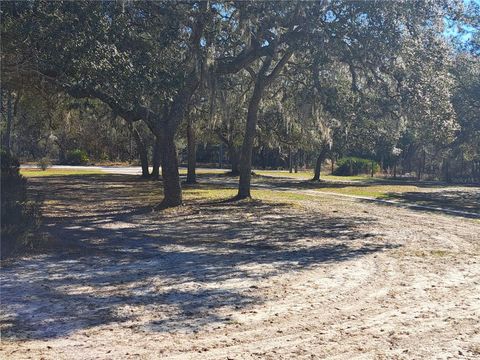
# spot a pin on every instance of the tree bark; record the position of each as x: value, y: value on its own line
x: 191, y: 154
x: 156, y: 158
x: 142, y: 150
x: 247, y: 147
x: 319, y: 162
x: 172, y: 189
x: 261, y: 81
x: 318, y: 167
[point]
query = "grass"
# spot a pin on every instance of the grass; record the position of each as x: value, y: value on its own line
x: 309, y: 174
x: 285, y: 173
x: 183, y: 171
x: 347, y: 178
x: 58, y: 172
x: 209, y: 193
x: 374, y: 191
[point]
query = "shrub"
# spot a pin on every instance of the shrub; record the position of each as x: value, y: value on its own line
x: 44, y: 163
x: 20, y: 218
x: 349, y: 166
x: 76, y: 157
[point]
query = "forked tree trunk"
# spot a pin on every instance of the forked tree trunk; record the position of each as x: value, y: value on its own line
x: 246, y: 155
x: 142, y: 150
x: 247, y: 147
x: 191, y: 154
x: 156, y: 158
x: 171, y: 179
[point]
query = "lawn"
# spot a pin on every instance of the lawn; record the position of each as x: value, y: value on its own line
x: 58, y: 172
x: 304, y: 174
x: 218, y: 193
x: 374, y: 191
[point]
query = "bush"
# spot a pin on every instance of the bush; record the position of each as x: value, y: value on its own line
x: 350, y: 166
x: 76, y: 157
x: 44, y: 163
x: 20, y: 218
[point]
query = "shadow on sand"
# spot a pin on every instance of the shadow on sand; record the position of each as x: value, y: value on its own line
x: 186, y: 266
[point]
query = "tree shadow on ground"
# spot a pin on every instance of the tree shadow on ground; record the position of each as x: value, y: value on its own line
x: 186, y: 268
x: 464, y: 201
x: 441, y: 197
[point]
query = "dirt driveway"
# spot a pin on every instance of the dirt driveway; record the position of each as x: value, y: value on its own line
x: 313, y: 278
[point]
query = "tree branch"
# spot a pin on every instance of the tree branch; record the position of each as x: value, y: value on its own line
x: 280, y: 65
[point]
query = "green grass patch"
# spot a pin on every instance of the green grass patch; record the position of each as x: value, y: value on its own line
x: 348, y: 178
x: 373, y: 191
x: 183, y: 171
x: 285, y: 173
x: 309, y: 174
x: 209, y: 193
x: 58, y: 172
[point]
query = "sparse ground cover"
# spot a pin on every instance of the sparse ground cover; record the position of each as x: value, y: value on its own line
x: 371, y: 190
x: 35, y: 172
x: 429, y: 194
x: 288, y: 275
x: 305, y: 175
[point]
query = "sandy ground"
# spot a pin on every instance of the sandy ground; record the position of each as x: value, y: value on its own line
x: 323, y: 278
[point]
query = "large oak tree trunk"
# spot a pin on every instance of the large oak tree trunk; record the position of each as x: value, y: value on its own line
x: 142, y: 151
x: 247, y: 147
x: 318, y: 168
x: 318, y: 164
x: 261, y: 82
x: 156, y: 158
x: 171, y: 179
x: 191, y: 154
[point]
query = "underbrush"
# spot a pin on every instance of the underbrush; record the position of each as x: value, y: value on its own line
x: 350, y: 166
x: 20, y: 217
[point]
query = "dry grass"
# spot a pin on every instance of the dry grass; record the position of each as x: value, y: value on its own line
x: 374, y: 191
x: 58, y: 172
x: 308, y: 174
